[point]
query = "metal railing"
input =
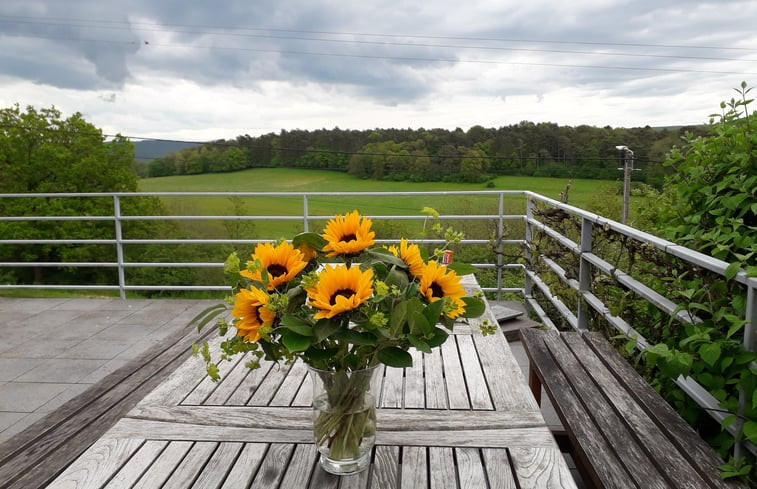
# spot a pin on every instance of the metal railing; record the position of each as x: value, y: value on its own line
x: 516, y: 208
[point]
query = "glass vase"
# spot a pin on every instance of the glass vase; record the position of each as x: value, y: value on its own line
x: 344, y: 418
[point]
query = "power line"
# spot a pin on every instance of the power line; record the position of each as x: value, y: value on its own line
x: 390, y: 58
x: 404, y: 44
x: 385, y: 35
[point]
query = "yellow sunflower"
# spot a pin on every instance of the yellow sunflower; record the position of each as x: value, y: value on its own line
x: 411, y: 255
x: 348, y: 235
x: 308, y: 253
x: 437, y: 283
x: 340, y: 289
x: 250, y: 308
x: 283, y: 263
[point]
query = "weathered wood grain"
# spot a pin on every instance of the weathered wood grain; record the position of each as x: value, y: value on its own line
x: 436, y: 391
x: 218, y: 466
x: 157, y: 474
x: 97, y: 465
x: 273, y: 467
x: 290, y: 385
x: 391, y: 393
x: 189, y: 468
x: 541, y: 468
x: 249, y: 385
x: 228, y: 385
x: 385, y: 467
x: 414, y: 394
x: 300, y: 469
x: 478, y: 390
x: 246, y: 466
x: 207, y: 386
x: 414, y: 468
x: 498, y: 471
x: 457, y: 391
x: 507, y: 386
x: 270, y: 385
x: 687, y: 441
x: 444, y: 474
x: 470, y: 468
x: 136, y: 466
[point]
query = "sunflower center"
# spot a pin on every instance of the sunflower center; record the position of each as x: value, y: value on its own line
x: 347, y: 293
x: 275, y: 270
x: 436, y: 290
x: 348, y: 237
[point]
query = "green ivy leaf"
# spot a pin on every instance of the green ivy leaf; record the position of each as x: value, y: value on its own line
x: 394, y: 356
x: 324, y: 328
x: 438, y: 337
x: 710, y: 353
x: 473, y: 307
x: 314, y: 240
x: 433, y: 311
x: 750, y: 431
x: 355, y: 337
x: 462, y: 268
x: 732, y: 270
x: 419, y: 324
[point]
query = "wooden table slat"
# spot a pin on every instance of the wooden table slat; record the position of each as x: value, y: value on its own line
x: 245, y: 466
x: 503, y: 375
x: 98, y: 463
x: 274, y: 466
x: 291, y: 385
x: 163, y: 466
x: 391, y: 392
x: 470, y: 468
x: 414, y: 395
x: 443, y: 475
x: 300, y: 470
x: 436, y: 392
x: 414, y: 468
x: 474, y: 376
x: 249, y: 385
x: 498, y: 470
x: 457, y: 391
x: 218, y: 466
x: 128, y: 475
x: 207, y: 386
x: 190, y: 467
x: 385, y: 468
x: 228, y: 384
x: 536, y: 468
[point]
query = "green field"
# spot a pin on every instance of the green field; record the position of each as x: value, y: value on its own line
x: 583, y: 193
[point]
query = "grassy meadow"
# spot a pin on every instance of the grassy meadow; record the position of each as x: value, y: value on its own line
x: 583, y: 193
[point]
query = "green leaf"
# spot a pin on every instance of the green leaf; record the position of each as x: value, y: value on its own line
x: 356, y: 337
x: 324, y: 328
x: 750, y: 431
x: 462, y: 268
x: 438, y: 337
x: 314, y: 240
x: 473, y: 307
x: 710, y: 353
x: 732, y: 270
x: 394, y: 356
x: 396, y: 277
x: 207, y: 315
x: 419, y: 344
x: 293, y: 341
x: 298, y: 325
x: 320, y: 354
x: 385, y: 256
x: 419, y: 324
x: 433, y: 311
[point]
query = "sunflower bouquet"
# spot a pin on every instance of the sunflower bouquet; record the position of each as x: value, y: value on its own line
x: 342, y: 305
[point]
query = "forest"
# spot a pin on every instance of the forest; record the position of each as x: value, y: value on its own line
x: 527, y: 148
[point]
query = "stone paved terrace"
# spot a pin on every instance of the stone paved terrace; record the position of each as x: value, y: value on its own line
x: 52, y: 350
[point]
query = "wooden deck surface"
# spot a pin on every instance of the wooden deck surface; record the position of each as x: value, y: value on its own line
x: 461, y: 417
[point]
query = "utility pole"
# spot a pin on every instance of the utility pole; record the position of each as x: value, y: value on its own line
x: 627, y: 156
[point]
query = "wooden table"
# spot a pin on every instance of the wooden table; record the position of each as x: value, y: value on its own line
x: 462, y: 416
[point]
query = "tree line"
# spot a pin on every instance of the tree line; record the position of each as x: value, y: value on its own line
x: 478, y: 154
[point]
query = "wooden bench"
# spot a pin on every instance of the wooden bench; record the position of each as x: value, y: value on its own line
x: 621, y: 433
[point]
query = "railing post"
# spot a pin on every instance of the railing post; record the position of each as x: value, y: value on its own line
x: 750, y: 331
x: 584, y: 274
x: 500, y: 232
x: 119, y: 247
x: 306, y: 226
x: 528, y: 285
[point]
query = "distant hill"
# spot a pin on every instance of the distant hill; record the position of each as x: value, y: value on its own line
x: 147, y: 151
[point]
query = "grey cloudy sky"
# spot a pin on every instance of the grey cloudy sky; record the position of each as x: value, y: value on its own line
x: 198, y: 70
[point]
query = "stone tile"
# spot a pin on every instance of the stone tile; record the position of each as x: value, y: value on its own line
x: 126, y: 332
x: 39, y: 347
x: 96, y: 349
x: 24, y: 305
x: 10, y: 368
x: 61, y: 370
x: 28, y: 396
x: 21, y: 425
x: 8, y: 419
x: 84, y: 304
x: 78, y: 330
x: 52, y: 318
x: 106, y: 369
x: 62, y: 398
